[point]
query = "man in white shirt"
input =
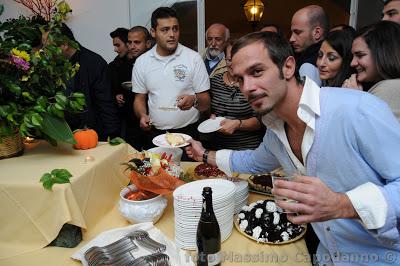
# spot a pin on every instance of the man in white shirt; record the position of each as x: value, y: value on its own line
x: 170, y: 80
x: 348, y: 189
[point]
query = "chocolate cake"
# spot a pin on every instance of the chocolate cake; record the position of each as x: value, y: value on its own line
x: 263, y: 221
x: 262, y: 182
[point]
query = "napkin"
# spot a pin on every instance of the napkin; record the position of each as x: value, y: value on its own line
x: 176, y: 255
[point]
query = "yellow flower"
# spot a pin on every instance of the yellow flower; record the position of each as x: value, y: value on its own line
x: 21, y: 54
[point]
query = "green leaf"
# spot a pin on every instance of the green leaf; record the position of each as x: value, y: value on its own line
x: 81, y: 101
x: 39, y: 109
x: 37, y: 120
x: 59, y: 106
x: 78, y: 95
x: 57, y: 129
x: 27, y: 95
x: 48, y: 184
x: 61, y: 99
x: 4, y: 109
x: 45, y: 177
x: 14, y: 88
x: 62, y: 173
x: 57, y: 176
x: 115, y: 141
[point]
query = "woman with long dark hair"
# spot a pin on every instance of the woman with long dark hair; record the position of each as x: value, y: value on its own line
x: 334, y: 58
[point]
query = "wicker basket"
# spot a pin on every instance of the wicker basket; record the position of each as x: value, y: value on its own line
x: 11, y: 146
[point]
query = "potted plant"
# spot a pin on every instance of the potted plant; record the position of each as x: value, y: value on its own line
x: 33, y: 79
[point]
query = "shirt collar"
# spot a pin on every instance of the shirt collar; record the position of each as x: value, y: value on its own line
x: 309, y: 107
x: 178, y: 51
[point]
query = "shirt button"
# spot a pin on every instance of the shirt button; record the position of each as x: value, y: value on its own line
x: 328, y: 229
x: 335, y: 254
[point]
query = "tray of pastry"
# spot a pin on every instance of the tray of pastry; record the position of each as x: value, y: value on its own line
x: 263, y: 222
x: 262, y: 183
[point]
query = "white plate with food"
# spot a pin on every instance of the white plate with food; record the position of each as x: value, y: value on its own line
x: 210, y: 125
x: 172, y: 140
x: 127, y: 85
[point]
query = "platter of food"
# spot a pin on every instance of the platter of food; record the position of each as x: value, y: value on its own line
x: 172, y: 140
x: 262, y: 222
x: 205, y: 171
x: 262, y: 183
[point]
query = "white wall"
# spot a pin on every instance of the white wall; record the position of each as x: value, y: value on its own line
x: 91, y: 21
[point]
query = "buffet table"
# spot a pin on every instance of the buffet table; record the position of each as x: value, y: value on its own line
x: 32, y: 216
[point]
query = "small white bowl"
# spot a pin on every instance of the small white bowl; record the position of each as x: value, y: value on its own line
x: 142, y: 211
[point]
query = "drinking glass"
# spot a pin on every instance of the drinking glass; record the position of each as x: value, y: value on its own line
x: 286, y: 177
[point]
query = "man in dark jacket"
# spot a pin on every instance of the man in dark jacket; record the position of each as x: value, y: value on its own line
x: 93, y: 80
x: 131, y: 44
x: 309, y: 27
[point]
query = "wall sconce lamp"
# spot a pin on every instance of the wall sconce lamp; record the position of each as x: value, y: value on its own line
x: 254, y: 10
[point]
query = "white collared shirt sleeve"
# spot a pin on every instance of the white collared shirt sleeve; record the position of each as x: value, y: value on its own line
x: 222, y: 158
x: 373, y: 208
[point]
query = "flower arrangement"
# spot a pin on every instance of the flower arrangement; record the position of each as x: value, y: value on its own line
x: 153, y: 172
x: 33, y: 78
x: 149, y: 164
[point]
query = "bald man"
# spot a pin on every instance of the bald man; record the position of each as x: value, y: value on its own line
x: 214, y: 57
x: 309, y: 27
x: 391, y: 11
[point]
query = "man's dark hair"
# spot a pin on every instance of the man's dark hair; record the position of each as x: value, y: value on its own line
x: 318, y: 17
x: 278, y: 28
x: 67, y: 32
x: 384, y: 46
x: 341, y: 41
x: 385, y: 2
x: 142, y: 29
x: 278, y: 47
x: 120, y: 33
x: 343, y: 27
x: 162, y: 12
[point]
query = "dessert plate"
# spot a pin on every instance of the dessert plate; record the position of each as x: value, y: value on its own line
x: 265, y: 222
x: 161, y: 141
x: 127, y: 85
x: 236, y: 222
x: 210, y: 125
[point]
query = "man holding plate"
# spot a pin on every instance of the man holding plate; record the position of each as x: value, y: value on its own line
x: 170, y: 80
x: 344, y: 143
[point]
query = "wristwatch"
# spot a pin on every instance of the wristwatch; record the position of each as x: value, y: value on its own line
x: 196, y: 101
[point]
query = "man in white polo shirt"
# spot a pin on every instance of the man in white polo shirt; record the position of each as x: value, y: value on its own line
x: 170, y: 80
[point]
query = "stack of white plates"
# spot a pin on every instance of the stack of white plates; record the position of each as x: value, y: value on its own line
x: 188, y: 201
x: 241, y: 194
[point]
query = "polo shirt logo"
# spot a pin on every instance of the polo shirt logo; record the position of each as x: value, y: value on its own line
x: 180, y: 72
